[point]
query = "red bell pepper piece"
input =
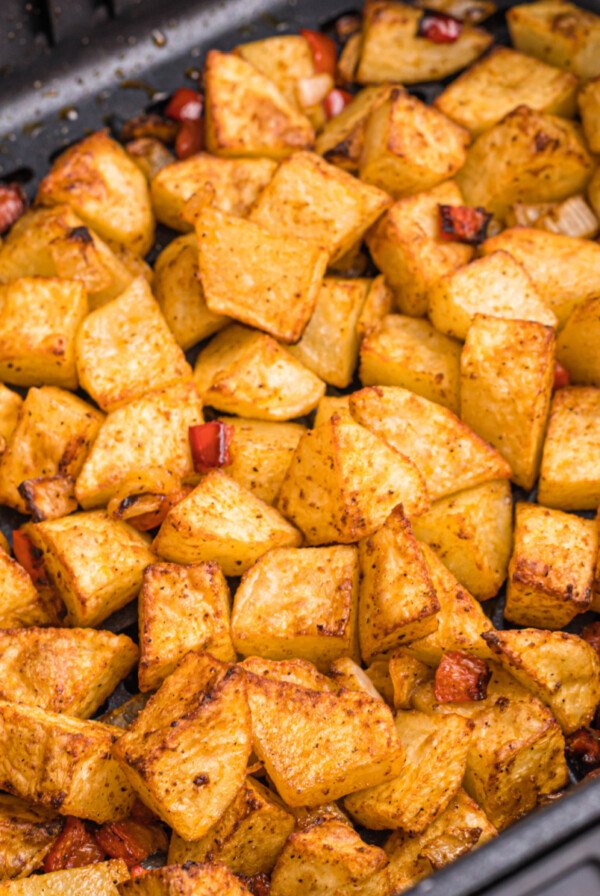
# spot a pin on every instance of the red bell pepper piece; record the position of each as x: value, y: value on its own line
x: 562, y: 377
x: 210, y: 443
x: 461, y: 677
x: 74, y: 848
x: 583, y: 747
x: 151, y: 520
x: 13, y: 203
x: 190, y: 139
x: 591, y: 634
x: 29, y: 557
x: 335, y: 101
x: 185, y: 105
x: 126, y: 840
x: 463, y: 224
x: 439, y: 27
x: 323, y: 49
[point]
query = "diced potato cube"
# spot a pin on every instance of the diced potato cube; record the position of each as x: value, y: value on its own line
x: 10, y: 405
x: 507, y: 375
x: 397, y: 603
x: 410, y: 147
x: 299, y: 602
x: 248, y: 373
x: 221, y: 520
x: 94, y: 562
x: 247, y: 115
x: 414, y: 355
x: 21, y: 605
x: 181, y: 608
x: 54, y: 433
x: 70, y: 671
x: 186, y: 752
x: 261, y: 453
x: 125, y: 349
x: 100, y: 879
x: 406, y: 674
x: 570, y: 471
x: 180, y: 295
x: 248, y: 837
x: 471, y: 532
x: 436, y: 759
x: 49, y: 497
x: 342, y: 139
x: 344, y: 481
x: 27, y: 833
x: 496, y: 285
x: 406, y: 245
x: 296, y: 671
x: 207, y: 879
x: 357, y: 742
x: 148, y: 432
x: 230, y: 185
x: 528, y: 156
x: 62, y: 763
x: 377, y: 306
x: 330, y: 405
x: 557, y: 32
x: 102, y: 185
x: 577, y: 342
x: 312, y: 200
x: 392, y: 50
x: 588, y: 100
x: 551, y: 570
x: 501, y: 81
x: 450, y: 456
x: 267, y: 281
x: 348, y: 674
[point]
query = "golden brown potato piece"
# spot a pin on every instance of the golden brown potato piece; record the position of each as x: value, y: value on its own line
x: 461, y: 620
x: 450, y: 456
x: 100, y: 879
x: 180, y: 191
x: 261, y: 453
x: 570, y: 472
x: 71, y: 671
x: 223, y: 521
x: 248, y: 837
x: 39, y: 319
x: 329, y: 858
x: 295, y: 671
x: 564, y: 270
x: 577, y: 342
x: 588, y: 101
x: 181, y: 608
x: 357, y: 742
x: 312, y: 200
x: 562, y: 670
x: 248, y: 373
x: 27, y: 833
x: 408, y: 248
x: 500, y: 82
x: 344, y: 481
x: 94, y: 562
x: 376, y: 307
x: 410, y: 147
x: 330, y: 342
x: 247, y: 115
x: 557, y: 32
x: 186, y: 752
x: 330, y: 405
x: 266, y: 281
x: 496, y: 285
x: 185, y: 880
x: 21, y: 605
x: 507, y: 375
x: 102, y: 185
x: 528, y: 156
x: 62, y: 763
x: 180, y: 295
x: 551, y: 570
x: 436, y: 759
x: 53, y: 435
x: 471, y: 532
x: 49, y: 497
x: 10, y: 405
x: 348, y: 674
x: 406, y: 674
x: 414, y: 355
x: 392, y: 51
x: 342, y: 139
x: 460, y: 828
x: 125, y: 349
x: 148, y: 432
x: 299, y: 602
x: 397, y: 603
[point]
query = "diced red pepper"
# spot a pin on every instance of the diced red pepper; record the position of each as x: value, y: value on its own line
x: 29, y: 557
x: 335, y: 101
x: 126, y: 840
x: 562, y: 377
x: 13, y: 203
x: 137, y: 871
x: 461, y: 677
x: 210, y: 444
x: 185, y: 105
x: 463, y: 224
x: 323, y: 49
x: 142, y: 814
x: 74, y: 848
x: 258, y: 884
x: 439, y: 27
x: 190, y: 139
x: 151, y: 520
x: 591, y: 634
x: 583, y: 747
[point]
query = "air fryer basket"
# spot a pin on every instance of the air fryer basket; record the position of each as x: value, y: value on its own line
x: 70, y: 67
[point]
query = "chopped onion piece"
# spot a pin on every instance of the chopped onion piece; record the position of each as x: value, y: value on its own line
x: 573, y: 217
x: 311, y: 91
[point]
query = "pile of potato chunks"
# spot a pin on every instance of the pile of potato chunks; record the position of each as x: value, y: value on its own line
x: 304, y: 705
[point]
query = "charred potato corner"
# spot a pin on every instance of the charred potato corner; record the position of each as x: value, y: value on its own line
x: 275, y: 613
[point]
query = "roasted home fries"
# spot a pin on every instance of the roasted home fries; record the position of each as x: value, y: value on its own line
x: 303, y: 499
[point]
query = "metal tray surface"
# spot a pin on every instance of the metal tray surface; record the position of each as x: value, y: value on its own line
x: 70, y: 67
